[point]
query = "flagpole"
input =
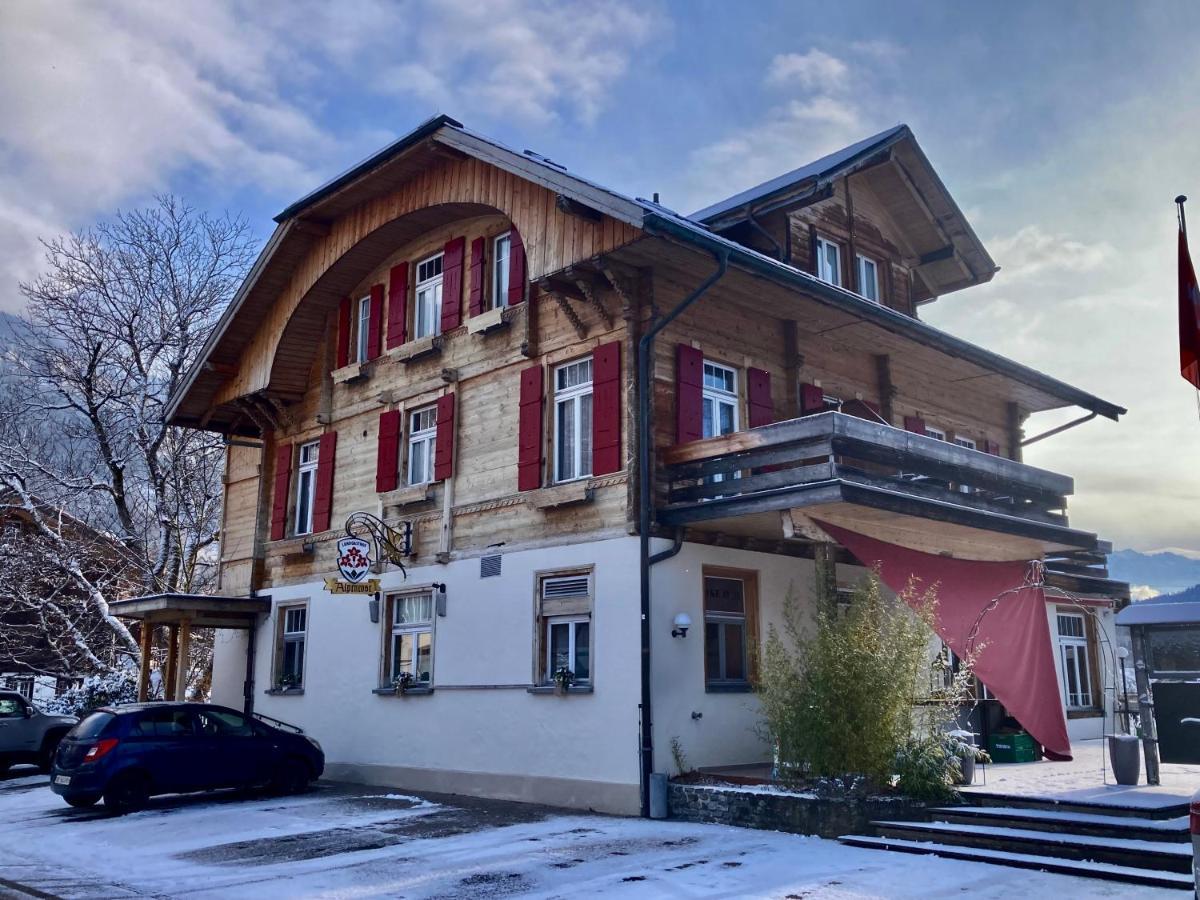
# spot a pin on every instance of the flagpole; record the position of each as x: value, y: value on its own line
x: 1179, y: 201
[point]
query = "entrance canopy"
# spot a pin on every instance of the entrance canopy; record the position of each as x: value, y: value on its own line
x: 180, y: 613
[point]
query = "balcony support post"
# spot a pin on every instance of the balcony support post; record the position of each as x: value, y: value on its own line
x: 825, y: 575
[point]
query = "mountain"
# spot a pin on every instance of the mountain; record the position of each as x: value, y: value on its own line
x: 1191, y: 594
x: 1164, y: 572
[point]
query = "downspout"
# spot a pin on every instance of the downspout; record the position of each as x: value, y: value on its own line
x: 646, y: 505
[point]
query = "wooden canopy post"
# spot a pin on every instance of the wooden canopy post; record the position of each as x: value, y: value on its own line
x: 1137, y: 635
x: 825, y: 565
x: 172, y: 662
x: 147, y: 642
x: 185, y: 647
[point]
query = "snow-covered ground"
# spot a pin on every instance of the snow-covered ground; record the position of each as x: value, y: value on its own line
x: 343, y: 841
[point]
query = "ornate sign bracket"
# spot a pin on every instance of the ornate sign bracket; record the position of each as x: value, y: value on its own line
x: 392, y: 544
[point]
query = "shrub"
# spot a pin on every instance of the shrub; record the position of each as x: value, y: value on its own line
x: 119, y: 686
x: 838, y: 699
x: 927, y: 768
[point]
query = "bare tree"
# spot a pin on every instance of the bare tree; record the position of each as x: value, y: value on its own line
x: 109, y: 332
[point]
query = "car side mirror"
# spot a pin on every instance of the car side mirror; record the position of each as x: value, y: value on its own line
x: 29, y: 712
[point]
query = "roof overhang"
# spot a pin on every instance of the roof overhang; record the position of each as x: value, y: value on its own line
x: 661, y: 222
x: 200, y: 610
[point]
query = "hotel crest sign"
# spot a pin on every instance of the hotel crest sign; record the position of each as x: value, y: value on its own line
x: 366, y: 533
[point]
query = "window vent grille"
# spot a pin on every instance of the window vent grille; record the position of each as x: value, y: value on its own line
x: 566, y: 586
x: 489, y: 566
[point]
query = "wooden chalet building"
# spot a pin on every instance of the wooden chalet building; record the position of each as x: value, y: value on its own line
x: 607, y: 424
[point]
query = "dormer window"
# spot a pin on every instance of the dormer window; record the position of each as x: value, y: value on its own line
x: 829, y: 261
x: 868, y: 278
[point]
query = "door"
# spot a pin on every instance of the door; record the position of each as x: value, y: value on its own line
x: 163, y: 743
x: 18, y: 730
x: 237, y: 753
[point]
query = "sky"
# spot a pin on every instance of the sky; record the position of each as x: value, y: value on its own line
x: 1063, y: 130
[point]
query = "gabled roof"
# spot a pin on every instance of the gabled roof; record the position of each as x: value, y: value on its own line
x: 833, y: 165
x: 299, y: 226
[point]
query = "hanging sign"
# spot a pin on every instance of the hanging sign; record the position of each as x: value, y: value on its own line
x: 353, y: 562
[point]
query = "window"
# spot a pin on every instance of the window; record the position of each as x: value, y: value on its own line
x: 223, y: 723
x: 936, y: 433
x: 306, y: 486
x: 1075, y: 658
x: 427, y: 315
x: 293, y: 635
x: 501, y: 246
x: 725, y: 649
x: 829, y: 261
x: 409, y: 650
x: 970, y: 445
x: 720, y: 400
x: 11, y: 708
x: 565, y: 614
x: 868, y: 278
x: 364, y: 329
x: 163, y: 723
x: 422, y: 440
x: 573, y: 420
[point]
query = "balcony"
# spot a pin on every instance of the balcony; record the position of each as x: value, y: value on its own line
x: 769, y: 482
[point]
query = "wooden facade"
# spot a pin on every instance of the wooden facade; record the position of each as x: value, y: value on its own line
x: 594, y: 282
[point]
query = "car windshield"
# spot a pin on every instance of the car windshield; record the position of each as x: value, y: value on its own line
x: 93, y: 726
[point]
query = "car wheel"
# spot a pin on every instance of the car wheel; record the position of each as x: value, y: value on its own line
x: 83, y: 801
x: 4, y: 766
x: 127, y: 792
x: 291, y: 777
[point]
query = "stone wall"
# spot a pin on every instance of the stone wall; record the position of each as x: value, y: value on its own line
x: 777, y: 810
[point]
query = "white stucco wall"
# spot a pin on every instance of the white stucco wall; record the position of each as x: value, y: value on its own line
x: 481, y: 730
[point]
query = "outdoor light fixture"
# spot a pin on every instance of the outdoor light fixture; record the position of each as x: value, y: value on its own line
x: 682, y: 623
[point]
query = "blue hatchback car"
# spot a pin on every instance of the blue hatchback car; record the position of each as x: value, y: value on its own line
x: 127, y: 754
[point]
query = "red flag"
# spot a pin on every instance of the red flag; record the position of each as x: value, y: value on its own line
x: 1189, y: 316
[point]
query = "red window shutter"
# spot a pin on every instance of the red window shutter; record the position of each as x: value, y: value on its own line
x: 443, y: 450
x: 516, y: 268
x: 915, y: 424
x: 387, y: 463
x: 343, y: 345
x: 476, y: 296
x: 323, y: 499
x: 758, y: 394
x: 397, y: 305
x: 689, y: 394
x: 279, y: 502
x: 606, y: 409
x: 452, y: 277
x: 991, y: 447
x: 529, y: 428
x: 375, y: 328
x: 812, y: 399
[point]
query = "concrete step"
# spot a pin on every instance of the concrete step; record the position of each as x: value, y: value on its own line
x: 1058, y: 820
x: 1056, y: 865
x: 1128, y: 803
x: 1129, y: 853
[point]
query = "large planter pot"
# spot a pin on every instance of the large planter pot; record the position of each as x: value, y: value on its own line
x: 1125, y: 758
x: 967, y: 762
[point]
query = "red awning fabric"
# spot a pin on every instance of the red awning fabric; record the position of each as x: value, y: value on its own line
x: 1016, y: 661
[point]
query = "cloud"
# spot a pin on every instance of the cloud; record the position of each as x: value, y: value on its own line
x: 814, y: 70
x: 1031, y: 251
x: 532, y: 60
x: 1142, y: 592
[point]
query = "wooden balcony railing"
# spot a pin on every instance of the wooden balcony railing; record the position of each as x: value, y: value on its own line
x: 802, y: 461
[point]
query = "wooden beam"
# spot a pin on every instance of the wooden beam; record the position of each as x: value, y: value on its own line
x: 1015, y: 433
x: 793, y: 361
x: 147, y: 648
x: 569, y: 312
x: 574, y: 208
x: 593, y: 298
x: 185, y: 648
x: 887, y: 390
x: 171, y: 677
x: 825, y: 575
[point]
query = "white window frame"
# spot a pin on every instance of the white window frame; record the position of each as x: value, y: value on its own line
x: 572, y: 604
x: 572, y: 623
x: 422, y: 444
x: 863, y: 262
x: 936, y: 433
x: 414, y: 629
x: 427, y: 310
x: 1080, y: 661
x: 501, y: 266
x: 292, y: 636
x: 713, y: 398
x: 569, y: 404
x: 829, y: 276
x: 308, y: 457
x: 364, y: 329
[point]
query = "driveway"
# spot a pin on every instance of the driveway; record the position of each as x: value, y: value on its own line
x: 364, y: 842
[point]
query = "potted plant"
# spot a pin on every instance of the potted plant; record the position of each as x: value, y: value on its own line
x: 289, y: 681
x: 402, y: 682
x: 958, y: 743
x: 563, y: 679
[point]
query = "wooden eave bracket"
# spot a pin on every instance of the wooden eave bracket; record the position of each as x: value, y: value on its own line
x: 586, y: 288
x: 554, y: 290
x: 799, y: 527
x: 575, y: 208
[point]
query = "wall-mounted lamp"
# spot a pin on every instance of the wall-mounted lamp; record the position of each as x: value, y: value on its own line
x: 682, y: 623
x: 440, y: 599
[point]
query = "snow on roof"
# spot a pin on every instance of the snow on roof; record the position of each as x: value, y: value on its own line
x: 823, y: 166
x: 1160, y: 611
